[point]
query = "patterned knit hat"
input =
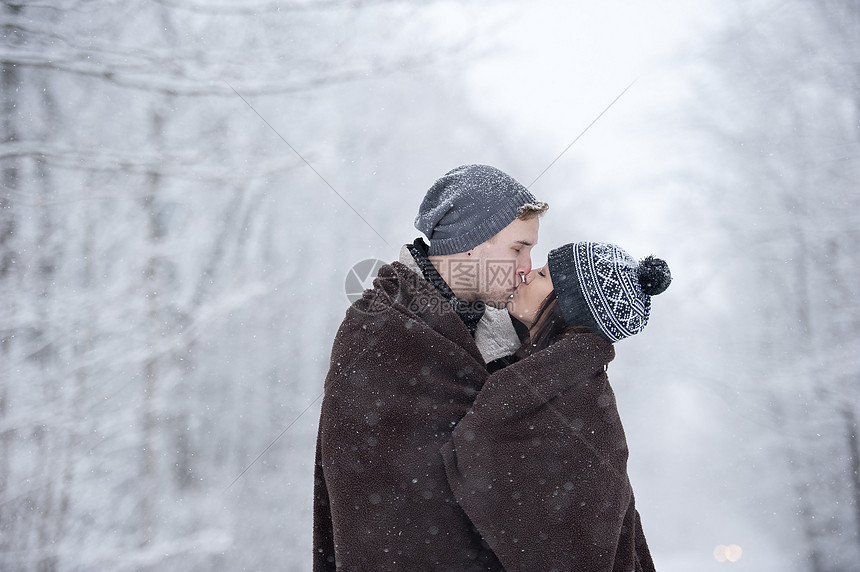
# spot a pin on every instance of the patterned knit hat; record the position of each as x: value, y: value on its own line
x: 469, y: 205
x: 600, y: 286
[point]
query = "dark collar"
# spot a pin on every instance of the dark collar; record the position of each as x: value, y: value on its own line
x: 470, y: 312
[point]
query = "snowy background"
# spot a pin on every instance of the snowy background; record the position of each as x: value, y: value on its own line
x: 185, y: 184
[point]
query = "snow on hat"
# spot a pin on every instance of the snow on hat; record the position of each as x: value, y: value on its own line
x: 469, y: 205
x: 601, y: 286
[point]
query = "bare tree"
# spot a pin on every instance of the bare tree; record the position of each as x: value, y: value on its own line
x: 786, y: 131
x: 152, y: 225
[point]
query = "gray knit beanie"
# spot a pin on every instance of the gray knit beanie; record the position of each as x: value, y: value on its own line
x: 600, y: 286
x: 468, y: 206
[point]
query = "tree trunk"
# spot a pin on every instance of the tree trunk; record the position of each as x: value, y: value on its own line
x: 10, y: 79
x: 850, y: 421
x: 152, y: 291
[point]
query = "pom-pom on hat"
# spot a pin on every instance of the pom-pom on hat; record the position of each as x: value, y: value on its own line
x: 469, y: 205
x: 600, y: 286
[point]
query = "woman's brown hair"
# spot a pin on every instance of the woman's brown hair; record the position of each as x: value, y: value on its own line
x: 550, y: 327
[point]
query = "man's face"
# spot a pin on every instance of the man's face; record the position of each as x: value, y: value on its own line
x: 504, y: 259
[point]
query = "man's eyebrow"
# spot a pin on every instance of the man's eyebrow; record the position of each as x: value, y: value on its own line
x: 525, y: 242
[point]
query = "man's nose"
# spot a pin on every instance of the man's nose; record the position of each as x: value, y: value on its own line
x: 524, y: 267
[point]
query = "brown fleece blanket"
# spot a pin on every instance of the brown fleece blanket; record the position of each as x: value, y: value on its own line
x: 404, y: 370
x: 539, y: 464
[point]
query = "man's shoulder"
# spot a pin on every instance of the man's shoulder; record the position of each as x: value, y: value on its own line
x: 398, y: 295
x: 402, y: 313
x: 393, y: 288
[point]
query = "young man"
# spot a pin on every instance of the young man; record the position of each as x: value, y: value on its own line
x: 406, y: 364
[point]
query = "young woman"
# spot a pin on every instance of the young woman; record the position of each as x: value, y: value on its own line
x: 539, y: 463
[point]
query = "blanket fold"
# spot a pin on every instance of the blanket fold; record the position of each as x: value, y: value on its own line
x: 404, y: 370
x: 539, y: 464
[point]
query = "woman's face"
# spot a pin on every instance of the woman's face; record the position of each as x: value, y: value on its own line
x: 530, y: 295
